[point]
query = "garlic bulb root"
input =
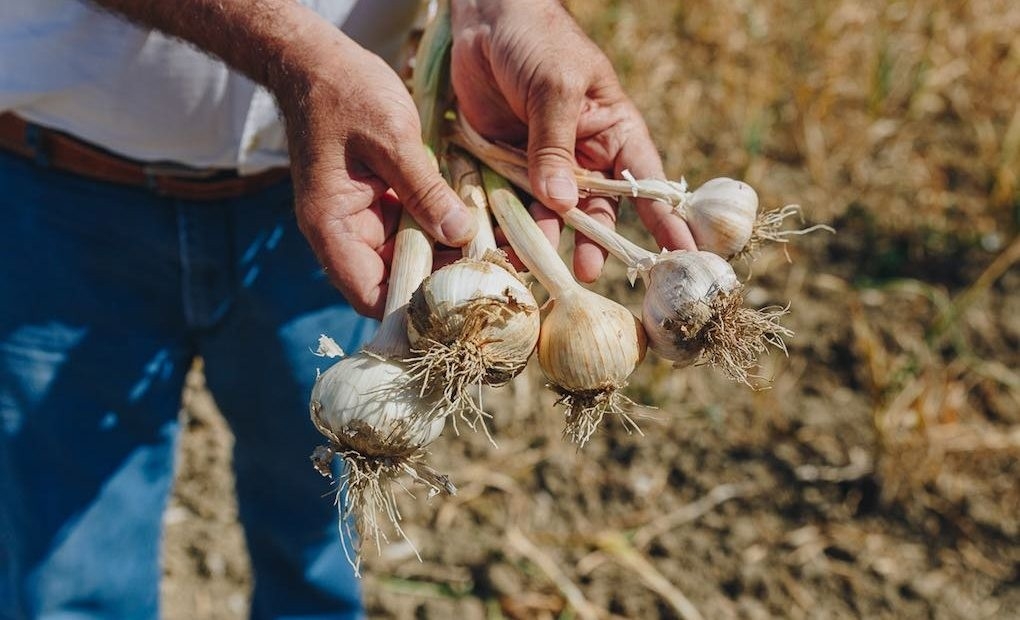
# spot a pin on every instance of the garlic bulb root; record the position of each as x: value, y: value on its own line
x: 584, y: 411
x: 735, y: 336
x: 472, y: 323
x: 365, y: 492
x: 768, y: 227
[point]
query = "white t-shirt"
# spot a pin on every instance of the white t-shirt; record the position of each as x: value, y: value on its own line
x: 69, y: 65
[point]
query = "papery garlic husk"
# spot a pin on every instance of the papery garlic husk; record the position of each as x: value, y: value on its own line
x: 367, y: 408
x: 472, y: 323
x: 694, y: 311
x: 721, y: 215
x: 588, y: 347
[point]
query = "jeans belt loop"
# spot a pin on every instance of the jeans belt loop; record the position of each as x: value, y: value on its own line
x: 34, y: 139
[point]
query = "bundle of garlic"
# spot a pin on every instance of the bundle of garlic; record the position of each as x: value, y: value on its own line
x: 588, y: 345
x: 370, y: 409
x: 693, y: 309
x: 722, y: 214
x: 473, y: 322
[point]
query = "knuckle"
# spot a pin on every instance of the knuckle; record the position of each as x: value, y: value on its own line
x: 552, y: 153
x: 559, y: 85
x: 403, y: 126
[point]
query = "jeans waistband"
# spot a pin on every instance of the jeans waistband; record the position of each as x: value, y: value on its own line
x: 66, y: 153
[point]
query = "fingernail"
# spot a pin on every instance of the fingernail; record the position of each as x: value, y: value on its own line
x: 561, y: 188
x: 458, y: 226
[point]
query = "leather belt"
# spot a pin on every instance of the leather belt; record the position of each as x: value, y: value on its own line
x: 63, y: 152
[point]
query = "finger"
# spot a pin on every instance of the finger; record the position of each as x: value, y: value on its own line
x: 548, y: 222
x: 589, y: 257
x: 389, y: 209
x: 638, y: 154
x: 349, y: 238
x: 358, y: 271
x: 410, y: 170
x: 553, y: 114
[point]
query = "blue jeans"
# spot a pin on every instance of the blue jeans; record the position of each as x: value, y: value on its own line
x: 106, y: 295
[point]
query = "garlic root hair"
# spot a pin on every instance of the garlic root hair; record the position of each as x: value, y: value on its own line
x: 373, y: 465
x: 585, y: 410
x: 736, y: 336
x: 457, y: 371
x: 768, y: 226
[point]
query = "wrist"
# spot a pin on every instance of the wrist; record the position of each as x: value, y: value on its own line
x: 307, y: 52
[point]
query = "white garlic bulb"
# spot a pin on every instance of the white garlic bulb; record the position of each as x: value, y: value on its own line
x: 589, y: 343
x: 679, y: 302
x: 365, y: 402
x: 588, y: 348
x: 473, y: 322
x: 373, y: 413
x: 721, y: 215
x: 481, y: 314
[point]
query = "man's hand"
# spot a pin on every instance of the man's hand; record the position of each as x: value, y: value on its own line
x: 353, y: 131
x: 354, y: 134
x: 524, y: 71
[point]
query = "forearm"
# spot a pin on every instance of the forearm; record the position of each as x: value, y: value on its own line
x: 277, y: 43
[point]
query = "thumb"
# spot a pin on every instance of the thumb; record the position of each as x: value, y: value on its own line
x: 552, y: 135
x: 414, y: 176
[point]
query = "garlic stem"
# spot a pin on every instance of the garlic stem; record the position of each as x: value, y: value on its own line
x: 412, y: 262
x: 513, y: 164
x: 526, y: 237
x: 467, y: 182
x: 637, y: 258
x: 431, y: 73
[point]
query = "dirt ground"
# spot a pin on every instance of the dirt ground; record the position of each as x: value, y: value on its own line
x: 875, y: 477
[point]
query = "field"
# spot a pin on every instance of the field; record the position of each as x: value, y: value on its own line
x: 876, y: 476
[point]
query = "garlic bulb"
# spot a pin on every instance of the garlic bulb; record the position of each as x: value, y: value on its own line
x: 721, y: 215
x: 675, y: 303
x: 693, y: 307
x: 589, y: 345
x: 367, y: 404
x: 370, y: 409
x: 473, y: 322
x: 588, y: 348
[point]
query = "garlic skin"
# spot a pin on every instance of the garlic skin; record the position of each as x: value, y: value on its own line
x: 678, y: 303
x: 721, y: 215
x: 588, y: 347
x: 589, y: 344
x: 481, y: 308
x: 362, y: 399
